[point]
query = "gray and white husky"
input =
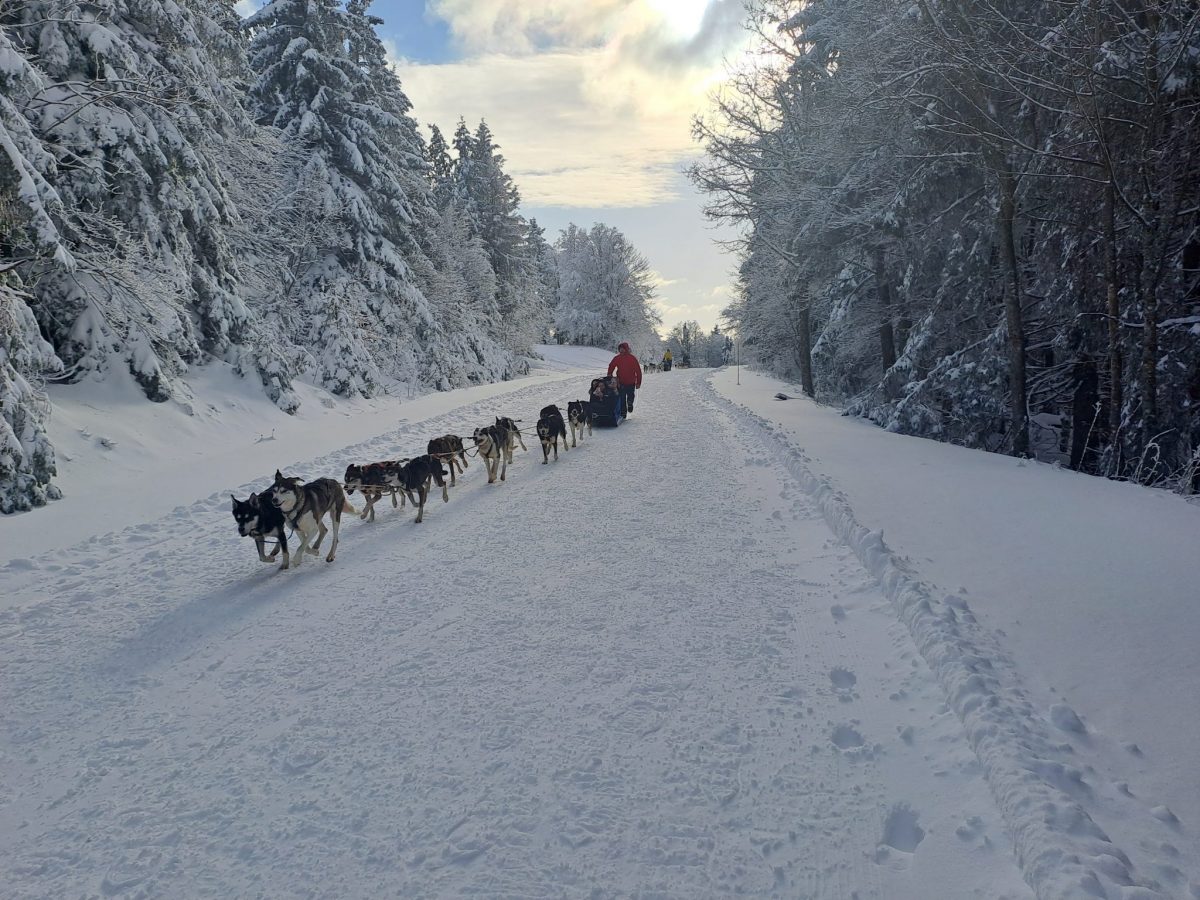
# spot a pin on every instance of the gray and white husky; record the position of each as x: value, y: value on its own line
x: 512, y: 435
x: 305, y: 506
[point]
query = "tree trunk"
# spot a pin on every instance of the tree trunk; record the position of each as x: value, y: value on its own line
x: 804, y: 344
x: 1116, y: 399
x: 1084, y: 412
x: 1013, y: 303
x: 1149, y: 366
x: 887, y: 337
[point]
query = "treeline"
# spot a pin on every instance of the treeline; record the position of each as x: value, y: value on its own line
x: 179, y: 185
x: 976, y: 221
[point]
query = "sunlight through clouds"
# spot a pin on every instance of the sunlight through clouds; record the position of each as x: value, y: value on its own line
x: 591, y: 102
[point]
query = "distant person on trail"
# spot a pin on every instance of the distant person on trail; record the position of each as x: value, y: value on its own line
x: 667, y: 361
x: 629, y: 376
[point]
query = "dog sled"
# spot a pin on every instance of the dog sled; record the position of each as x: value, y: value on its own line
x: 606, y: 401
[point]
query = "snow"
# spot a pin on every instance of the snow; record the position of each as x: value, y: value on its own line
x: 1085, y: 589
x: 680, y: 661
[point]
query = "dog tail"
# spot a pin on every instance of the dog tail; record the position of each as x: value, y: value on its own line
x: 348, y: 507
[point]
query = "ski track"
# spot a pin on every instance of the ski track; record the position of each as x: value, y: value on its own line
x: 647, y: 669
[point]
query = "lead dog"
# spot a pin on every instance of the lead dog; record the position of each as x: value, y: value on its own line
x: 512, y: 436
x: 550, y: 427
x: 489, y: 442
x: 415, y: 477
x: 579, y: 414
x: 375, y: 480
x: 258, y: 518
x: 305, y: 506
x: 448, y: 450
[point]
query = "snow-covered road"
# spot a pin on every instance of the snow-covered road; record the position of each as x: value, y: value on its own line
x: 647, y: 669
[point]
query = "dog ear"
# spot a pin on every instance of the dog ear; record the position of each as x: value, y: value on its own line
x: 278, y: 476
x: 235, y: 501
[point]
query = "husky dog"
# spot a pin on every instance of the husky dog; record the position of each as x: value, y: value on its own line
x: 414, y: 479
x: 258, y: 518
x: 448, y: 449
x: 305, y: 506
x: 550, y: 427
x: 579, y: 413
x: 512, y: 435
x: 490, y: 441
x: 374, y: 480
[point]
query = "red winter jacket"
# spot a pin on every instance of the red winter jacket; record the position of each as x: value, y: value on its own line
x: 628, y: 369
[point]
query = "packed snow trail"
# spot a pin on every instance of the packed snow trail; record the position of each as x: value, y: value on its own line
x: 646, y: 669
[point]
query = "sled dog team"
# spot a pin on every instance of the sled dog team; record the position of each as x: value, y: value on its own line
x: 290, y: 503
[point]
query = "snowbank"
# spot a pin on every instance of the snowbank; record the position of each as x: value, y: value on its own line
x: 1089, y: 587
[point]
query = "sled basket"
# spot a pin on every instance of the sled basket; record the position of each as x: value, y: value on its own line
x: 606, y: 402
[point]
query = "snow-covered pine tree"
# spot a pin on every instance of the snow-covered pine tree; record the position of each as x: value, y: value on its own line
x: 130, y: 119
x: 441, y: 168
x: 544, y: 279
x: 29, y: 211
x: 333, y: 106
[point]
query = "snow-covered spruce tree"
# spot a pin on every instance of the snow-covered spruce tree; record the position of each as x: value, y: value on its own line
x: 544, y: 275
x: 131, y: 120
x: 29, y: 211
x: 489, y: 202
x: 463, y: 286
x: 366, y: 317
x: 26, y: 455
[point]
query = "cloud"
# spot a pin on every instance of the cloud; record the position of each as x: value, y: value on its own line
x: 591, y: 102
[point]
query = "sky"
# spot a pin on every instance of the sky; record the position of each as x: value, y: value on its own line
x: 591, y: 103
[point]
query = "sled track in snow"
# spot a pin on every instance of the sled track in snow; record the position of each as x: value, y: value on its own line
x: 1063, y: 853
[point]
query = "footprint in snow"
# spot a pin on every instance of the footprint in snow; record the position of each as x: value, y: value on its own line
x: 901, y: 831
x: 846, y: 737
x: 842, y: 679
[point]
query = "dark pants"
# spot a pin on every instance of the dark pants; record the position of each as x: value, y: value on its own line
x: 627, y: 391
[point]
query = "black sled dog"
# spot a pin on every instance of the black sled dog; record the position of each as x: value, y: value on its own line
x: 259, y: 518
x: 415, y: 478
x: 579, y: 414
x: 550, y: 427
x: 448, y: 449
x: 305, y: 506
x: 375, y: 480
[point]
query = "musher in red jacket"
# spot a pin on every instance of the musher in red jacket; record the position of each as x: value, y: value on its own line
x: 629, y: 375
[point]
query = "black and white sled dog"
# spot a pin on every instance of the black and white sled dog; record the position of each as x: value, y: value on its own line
x: 490, y: 442
x: 550, y: 427
x: 305, y: 506
x: 375, y: 480
x: 448, y: 450
x: 579, y: 414
x: 259, y: 518
x: 512, y: 435
x: 415, y: 478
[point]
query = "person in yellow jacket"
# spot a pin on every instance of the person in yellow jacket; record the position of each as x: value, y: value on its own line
x: 667, y: 360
